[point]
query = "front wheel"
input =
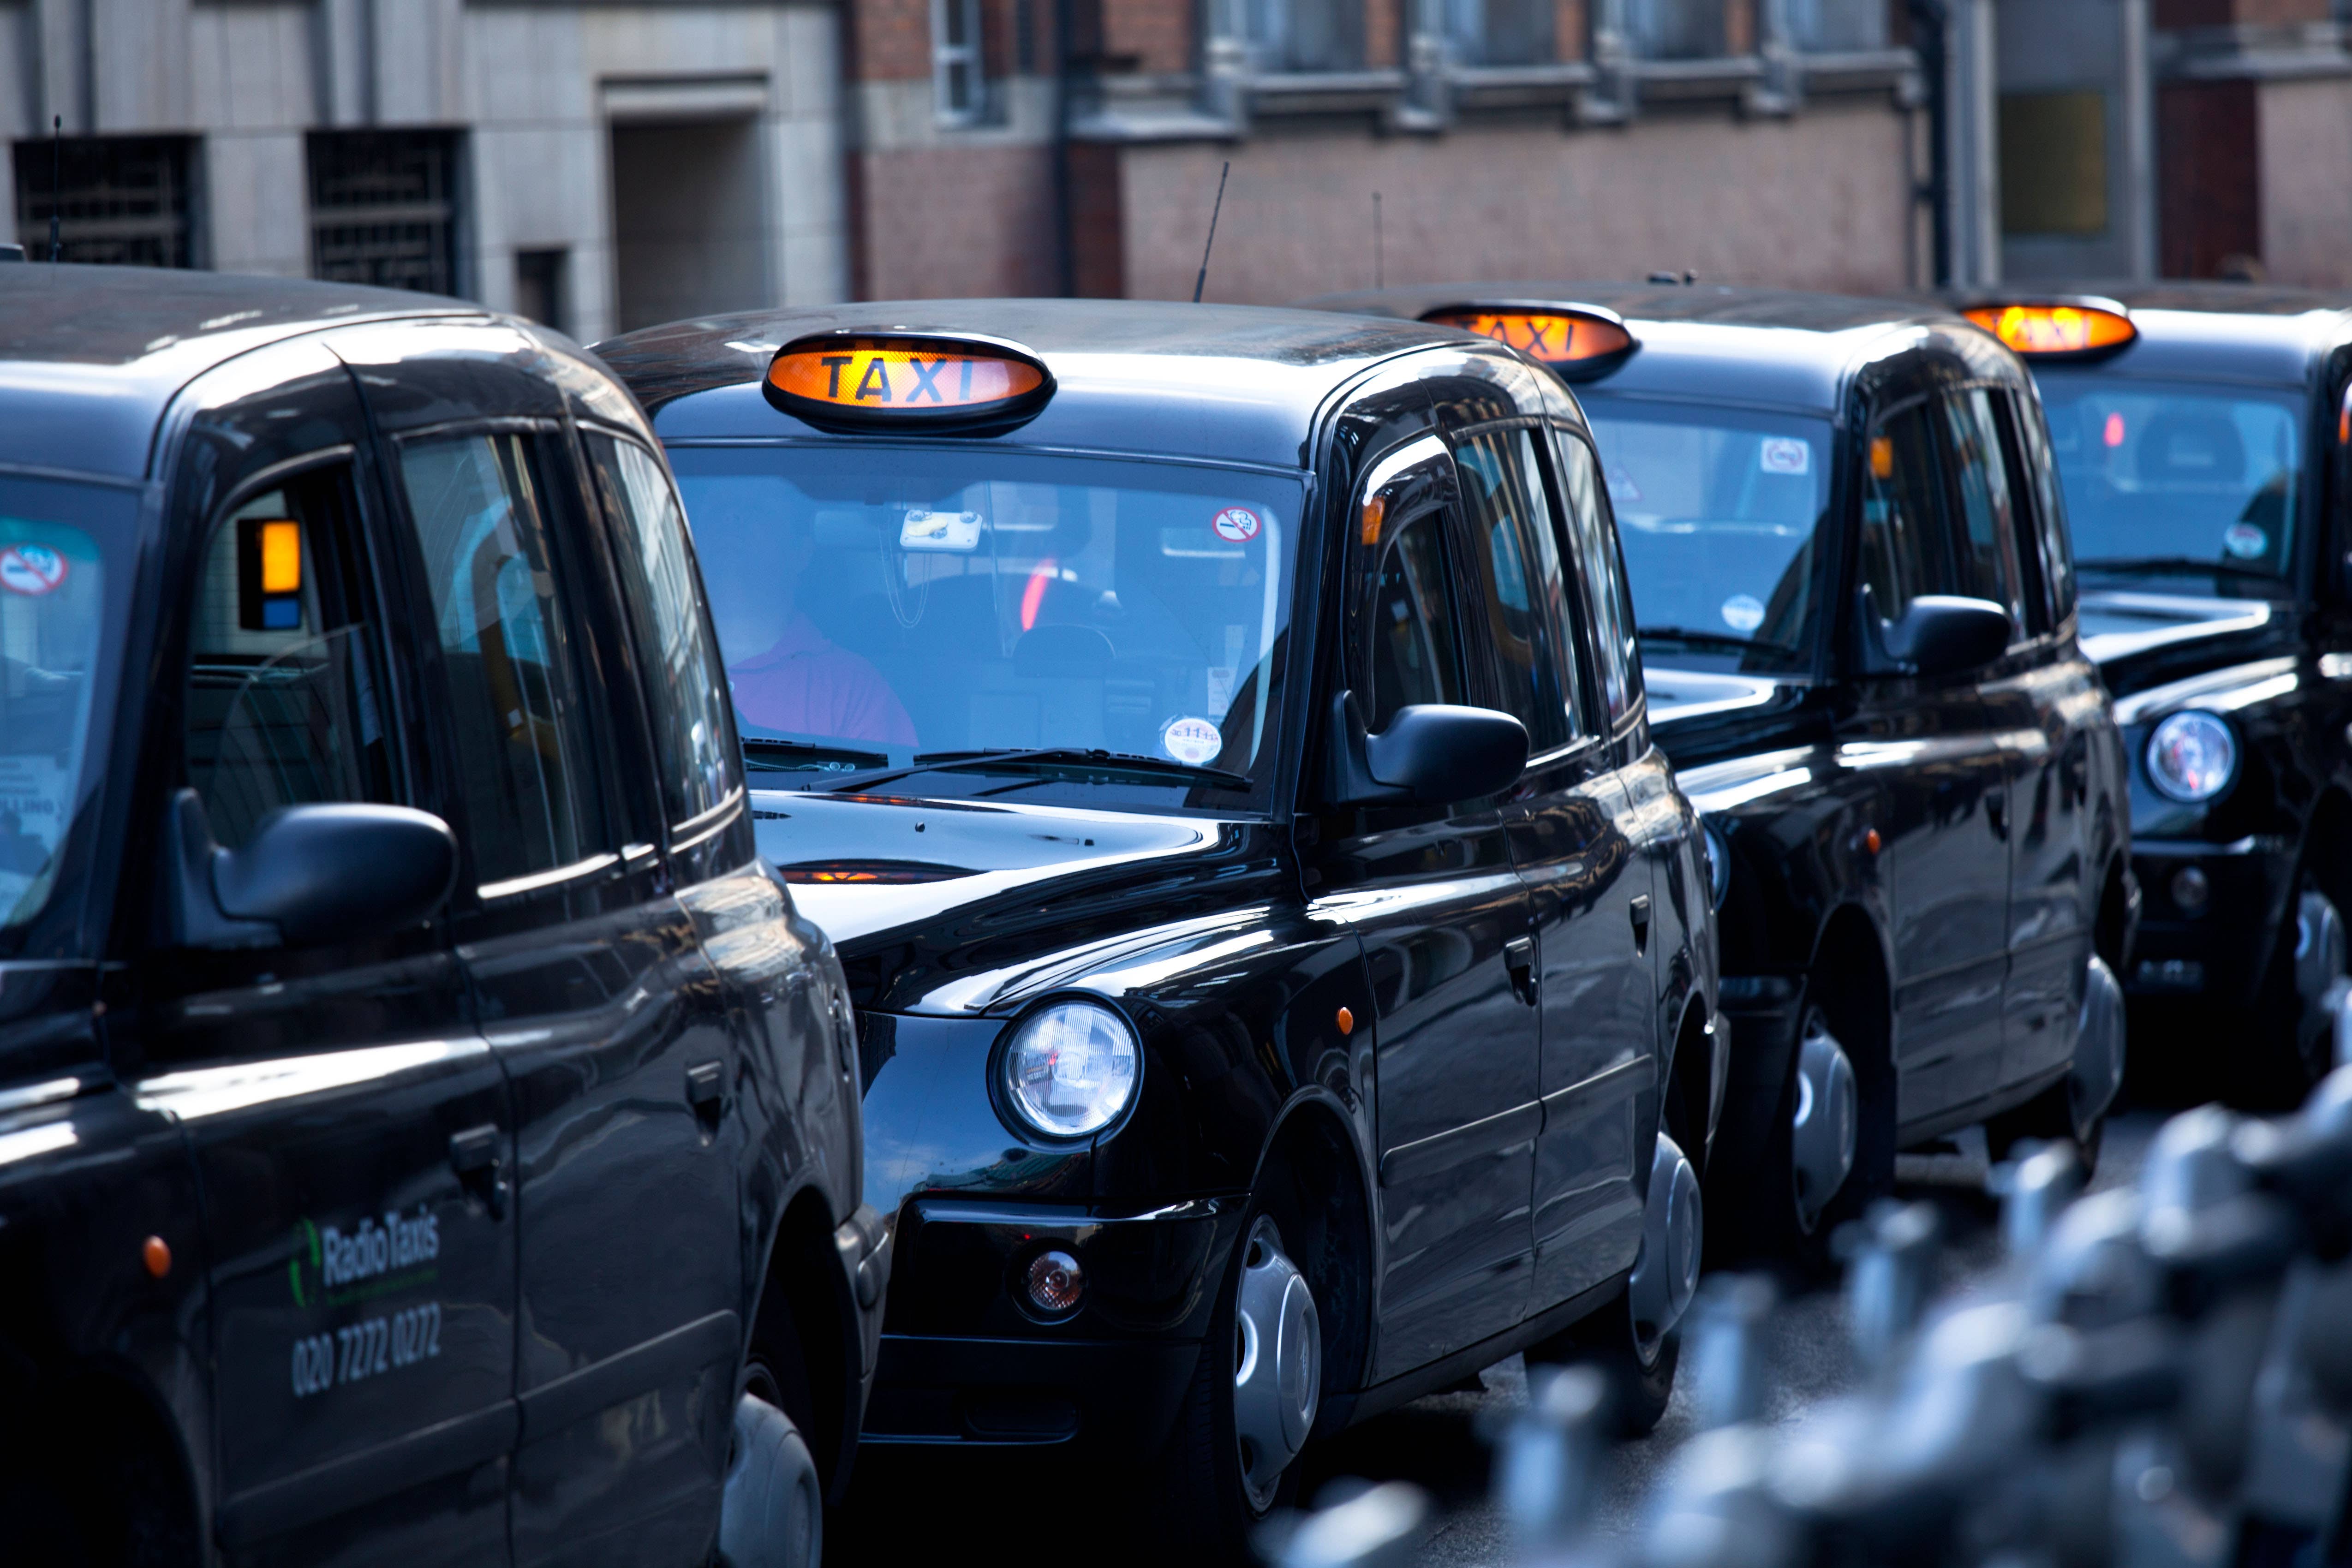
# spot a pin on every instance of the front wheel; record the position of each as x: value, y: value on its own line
x: 1253, y: 1398
x: 1830, y: 1149
x: 2300, y: 997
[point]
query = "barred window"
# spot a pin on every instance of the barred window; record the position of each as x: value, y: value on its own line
x: 384, y: 208
x: 121, y: 201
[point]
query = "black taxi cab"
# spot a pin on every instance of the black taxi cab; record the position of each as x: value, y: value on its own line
x: 1860, y: 634
x: 1210, y: 737
x: 2202, y: 434
x: 427, y: 1131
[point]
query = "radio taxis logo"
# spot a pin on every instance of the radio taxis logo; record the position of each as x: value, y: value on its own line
x: 382, y: 1252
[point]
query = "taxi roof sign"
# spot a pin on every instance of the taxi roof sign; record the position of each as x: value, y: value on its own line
x: 1575, y: 341
x: 871, y: 380
x: 2078, y: 326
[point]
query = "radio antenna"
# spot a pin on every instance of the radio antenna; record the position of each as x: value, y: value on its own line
x: 1378, y: 277
x: 1201, y: 281
x: 56, y: 183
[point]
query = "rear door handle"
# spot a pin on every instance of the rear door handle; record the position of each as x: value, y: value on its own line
x: 1641, y: 908
x: 1519, y: 959
x: 706, y: 1091
x: 474, y: 1156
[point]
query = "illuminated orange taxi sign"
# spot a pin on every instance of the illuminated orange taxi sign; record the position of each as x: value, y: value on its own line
x: 2059, y: 327
x: 904, y: 378
x: 1585, y: 338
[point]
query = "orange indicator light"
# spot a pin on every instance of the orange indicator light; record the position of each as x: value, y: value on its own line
x: 1870, y: 841
x: 156, y: 1253
x: 2056, y: 329
x: 1881, y: 457
x: 281, y: 558
x: 1375, y: 510
x: 1347, y: 1021
x: 1554, y: 337
x: 894, y: 379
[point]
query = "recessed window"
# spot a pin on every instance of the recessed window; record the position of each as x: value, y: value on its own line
x: 540, y: 287
x: 958, y: 86
x: 1496, y: 32
x: 1833, y: 27
x: 1675, y: 29
x: 384, y: 208
x: 121, y: 201
x: 1294, y: 35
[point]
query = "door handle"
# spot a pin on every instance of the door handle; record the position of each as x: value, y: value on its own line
x: 474, y: 1156
x: 1640, y: 911
x: 706, y: 1091
x: 1520, y: 960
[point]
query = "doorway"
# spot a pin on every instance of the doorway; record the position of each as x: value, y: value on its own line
x: 688, y: 220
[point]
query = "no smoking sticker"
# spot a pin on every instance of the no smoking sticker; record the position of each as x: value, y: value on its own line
x: 31, y: 569
x: 1236, y: 525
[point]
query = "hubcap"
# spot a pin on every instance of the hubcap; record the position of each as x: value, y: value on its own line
x: 1666, y: 1271
x: 1822, y: 1132
x: 1277, y: 1362
x: 2099, y: 1046
x: 2319, y: 962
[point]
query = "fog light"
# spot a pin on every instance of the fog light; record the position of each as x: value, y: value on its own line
x: 1055, y: 1283
x: 2191, y: 890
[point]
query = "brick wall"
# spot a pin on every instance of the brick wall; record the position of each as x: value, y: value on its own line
x: 954, y: 221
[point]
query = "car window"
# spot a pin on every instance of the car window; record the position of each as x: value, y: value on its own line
x: 688, y: 700
x: 1985, y: 560
x: 514, y: 697
x: 1902, y: 526
x: 1593, y: 537
x: 285, y: 697
x: 1413, y: 649
x: 1503, y: 495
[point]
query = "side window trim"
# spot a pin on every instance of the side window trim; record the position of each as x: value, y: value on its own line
x: 1637, y: 697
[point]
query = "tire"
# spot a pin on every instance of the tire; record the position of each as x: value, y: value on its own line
x: 2295, y: 1035
x: 773, y: 1512
x: 1213, y: 1485
x: 1778, y: 1224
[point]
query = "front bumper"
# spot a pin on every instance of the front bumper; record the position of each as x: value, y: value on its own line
x: 965, y: 1360
x: 2218, y: 955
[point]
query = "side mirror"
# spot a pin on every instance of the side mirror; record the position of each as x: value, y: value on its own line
x: 311, y: 874
x: 1938, y: 634
x: 1432, y: 754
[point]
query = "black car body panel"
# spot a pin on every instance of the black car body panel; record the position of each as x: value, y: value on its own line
x: 1299, y: 977
x: 1965, y: 836
x: 349, y: 1244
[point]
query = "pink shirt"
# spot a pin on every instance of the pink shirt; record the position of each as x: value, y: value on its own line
x: 806, y: 686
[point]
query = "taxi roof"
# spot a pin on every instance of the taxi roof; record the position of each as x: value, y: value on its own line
x: 90, y: 356
x: 2198, y: 330
x: 1230, y: 382
x: 1770, y: 347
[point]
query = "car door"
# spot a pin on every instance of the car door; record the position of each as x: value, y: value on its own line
x: 2044, y: 702
x: 1567, y: 825
x: 1931, y: 744
x: 1444, y: 922
x: 351, y: 1129
x: 586, y: 974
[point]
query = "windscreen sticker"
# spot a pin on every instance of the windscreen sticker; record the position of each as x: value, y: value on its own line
x: 1785, y: 454
x: 958, y: 531
x: 1236, y: 525
x: 2245, y: 541
x: 1193, y: 741
x: 32, y: 569
x: 1743, y: 612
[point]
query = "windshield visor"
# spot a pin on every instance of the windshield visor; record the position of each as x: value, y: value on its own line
x: 2177, y: 480
x: 1716, y: 510
x: 879, y: 604
x: 64, y: 571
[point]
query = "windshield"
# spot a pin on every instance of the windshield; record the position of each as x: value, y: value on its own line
x: 64, y: 572
x: 878, y: 605
x: 1716, y: 510
x: 2178, y: 480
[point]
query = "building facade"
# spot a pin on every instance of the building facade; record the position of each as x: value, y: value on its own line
x: 602, y: 164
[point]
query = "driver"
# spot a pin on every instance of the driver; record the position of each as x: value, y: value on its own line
x: 798, y: 681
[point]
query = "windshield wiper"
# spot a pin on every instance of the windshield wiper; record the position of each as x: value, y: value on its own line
x: 1691, y: 637
x: 1040, y: 756
x: 804, y: 756
x: 2136, y: 565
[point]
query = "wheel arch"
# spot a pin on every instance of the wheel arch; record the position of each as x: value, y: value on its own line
x: 1314, y: 1145
x: 131, y: 1481
x: 805, y: 1332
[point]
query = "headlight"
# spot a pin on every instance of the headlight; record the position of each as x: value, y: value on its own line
x: 2192, y: 756
x: 1718, y: 864
x: 1069, y: 1069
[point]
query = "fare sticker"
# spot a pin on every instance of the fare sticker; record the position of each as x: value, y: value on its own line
x: 1236, y: 525
x: 31, y: 569
x: 1194, y: 742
